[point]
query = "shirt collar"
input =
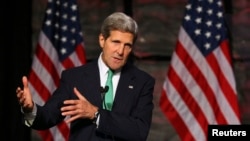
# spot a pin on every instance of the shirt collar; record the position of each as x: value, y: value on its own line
x: 102, y: 66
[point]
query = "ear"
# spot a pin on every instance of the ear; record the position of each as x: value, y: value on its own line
x: 101, y: 40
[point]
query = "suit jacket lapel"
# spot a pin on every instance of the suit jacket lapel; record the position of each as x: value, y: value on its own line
x: 91, y: 83
x: 125, y: 88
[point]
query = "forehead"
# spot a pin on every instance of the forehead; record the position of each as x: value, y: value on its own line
x: 122, y: 36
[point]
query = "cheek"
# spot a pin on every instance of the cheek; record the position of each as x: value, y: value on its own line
x: 108, y: 52
x: 127, y: 51
x: 126, y: 54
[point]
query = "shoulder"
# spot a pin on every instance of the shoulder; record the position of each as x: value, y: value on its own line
x: 81, y: 69
x: 139, y: 73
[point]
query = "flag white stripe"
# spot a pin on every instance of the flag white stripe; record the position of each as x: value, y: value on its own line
x: 57, y: 135
x: 36, y: 97
x: 75, y: 60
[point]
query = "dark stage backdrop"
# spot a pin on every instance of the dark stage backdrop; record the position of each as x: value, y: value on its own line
x: 15, y: 52
x: 159, y: 22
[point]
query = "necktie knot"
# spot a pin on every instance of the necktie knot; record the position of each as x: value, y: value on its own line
x: 110, y: 75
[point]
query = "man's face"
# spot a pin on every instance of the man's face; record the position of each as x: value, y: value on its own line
x: 116, y: 48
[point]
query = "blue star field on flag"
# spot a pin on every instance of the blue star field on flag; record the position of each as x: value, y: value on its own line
x: 62, y: 26
x: 204, y: 23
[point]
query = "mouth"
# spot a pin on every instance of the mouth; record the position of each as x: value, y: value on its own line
x: 117, y: 59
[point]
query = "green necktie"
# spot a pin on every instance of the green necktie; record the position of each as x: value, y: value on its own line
x: 108, y: 102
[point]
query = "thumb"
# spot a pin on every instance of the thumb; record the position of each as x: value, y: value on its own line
x: 25, y: 82
x: 78, y: 94
x: 25, y: 85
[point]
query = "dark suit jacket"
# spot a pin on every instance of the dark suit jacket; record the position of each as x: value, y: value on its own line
x: 130, y: 118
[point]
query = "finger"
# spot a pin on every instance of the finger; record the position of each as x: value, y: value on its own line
x: 70, y: 102
x: 78, y: 94
x: 69, y: 113
x: 20, y: 96
x: 72, y: 118
x: 21, y: 101
x: 68, y: 108
x: 18, y: 89
x: 19, y: 93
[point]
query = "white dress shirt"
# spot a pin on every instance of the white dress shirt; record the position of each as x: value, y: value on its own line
x: 103, y: 70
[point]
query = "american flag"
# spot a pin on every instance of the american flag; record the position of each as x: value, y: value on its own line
x: 60, y: 46
x: 199, y: 88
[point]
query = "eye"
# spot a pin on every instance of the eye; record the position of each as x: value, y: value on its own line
x: 128, y: 45
x: 116, y: 42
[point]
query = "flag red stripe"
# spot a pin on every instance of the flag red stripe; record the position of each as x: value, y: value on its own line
x: 64, y: 129
x: 201, y: 81
x: 81, y: 53
x: 47, y: 64
x: 46, y: 135
x: 174, y: 118
x: 225, y: 49
x: 38, y: 85
x: 67, y: 63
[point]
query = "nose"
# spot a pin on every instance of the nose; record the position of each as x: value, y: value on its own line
x: 120, y: 50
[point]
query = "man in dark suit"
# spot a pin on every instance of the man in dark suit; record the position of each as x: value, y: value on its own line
x: 81, y: 95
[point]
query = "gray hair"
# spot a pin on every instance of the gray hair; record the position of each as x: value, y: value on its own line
x: 119, y: 21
